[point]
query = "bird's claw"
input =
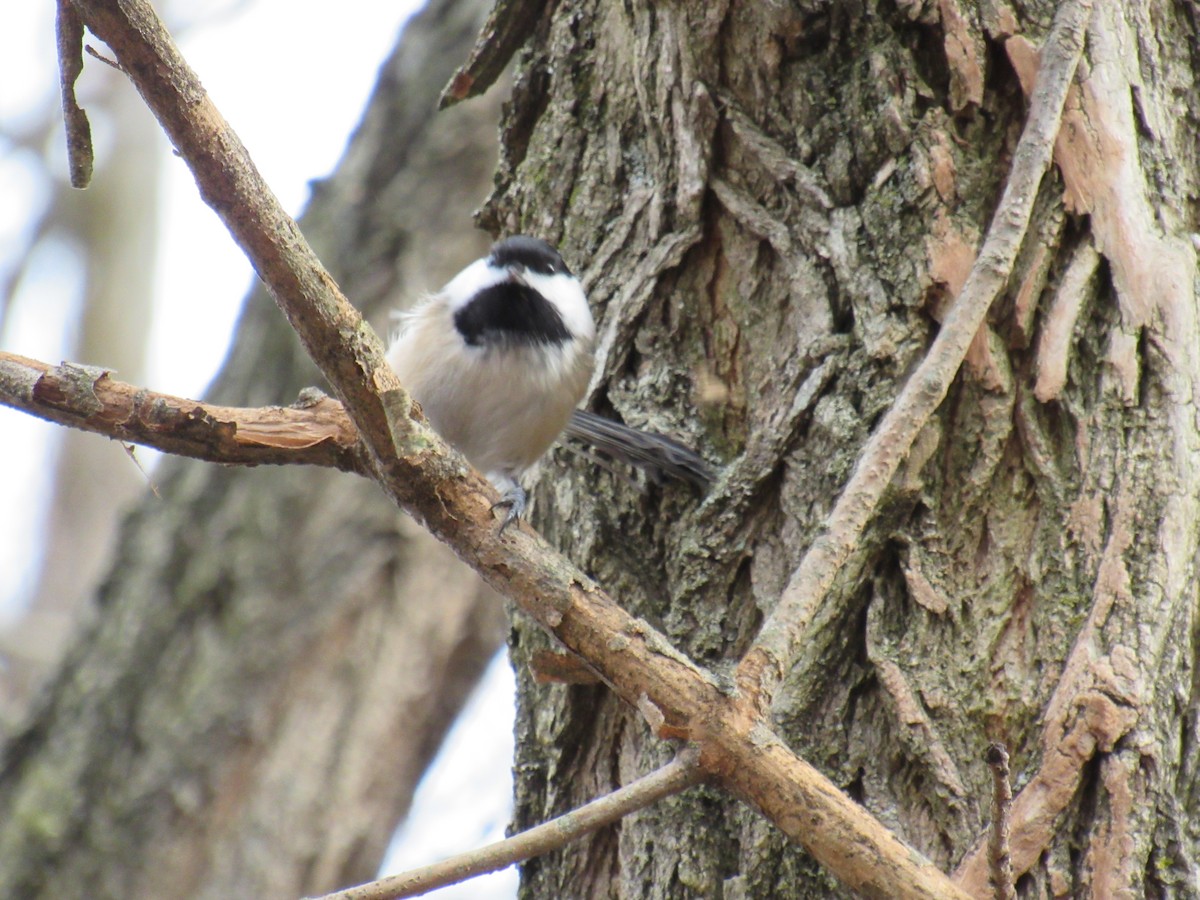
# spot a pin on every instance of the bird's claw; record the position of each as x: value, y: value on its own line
x: 513, y: 500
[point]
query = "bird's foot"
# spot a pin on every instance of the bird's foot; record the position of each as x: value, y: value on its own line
x: 513, y: 499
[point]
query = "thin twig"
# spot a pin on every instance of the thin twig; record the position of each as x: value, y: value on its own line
x: 88, y: 398
x: 131, y: 452
x: 681, y: 773
x: 782, y: 635
x: 68, y: 29
x: 97, y: 55
x: 999, y: 860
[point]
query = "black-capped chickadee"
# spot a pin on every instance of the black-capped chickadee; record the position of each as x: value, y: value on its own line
x: 500, y: 357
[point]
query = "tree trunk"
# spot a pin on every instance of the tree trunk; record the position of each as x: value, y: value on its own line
x: 276, y: 653
x: 772, y: 206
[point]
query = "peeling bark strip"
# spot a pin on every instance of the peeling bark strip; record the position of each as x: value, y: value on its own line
x: 1054, y: 346
x: 415, y: 469
x: 317, y: 433
x: 508, y: 27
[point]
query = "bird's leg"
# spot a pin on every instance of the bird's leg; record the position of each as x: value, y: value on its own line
x: 512, y: 497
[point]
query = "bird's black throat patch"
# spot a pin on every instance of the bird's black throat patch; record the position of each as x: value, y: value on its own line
x: 510, y: 312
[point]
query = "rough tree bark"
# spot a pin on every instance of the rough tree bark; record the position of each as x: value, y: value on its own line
x: 276, y: 653
x: 772, y: 204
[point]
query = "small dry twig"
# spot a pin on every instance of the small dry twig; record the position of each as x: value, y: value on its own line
x: 1000, y: 862
x: 97, y: 55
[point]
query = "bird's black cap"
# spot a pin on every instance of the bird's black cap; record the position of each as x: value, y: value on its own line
x: 529, y: 253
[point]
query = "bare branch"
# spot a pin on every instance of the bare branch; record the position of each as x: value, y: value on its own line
x: 681, y: 773
x: 764, y: 665
x: 332, y: 331
x: 318, y: 433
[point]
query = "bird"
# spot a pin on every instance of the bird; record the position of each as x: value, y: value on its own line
x: 500, y: 358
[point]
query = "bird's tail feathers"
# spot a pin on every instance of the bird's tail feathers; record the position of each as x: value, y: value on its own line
x: 656, y: 454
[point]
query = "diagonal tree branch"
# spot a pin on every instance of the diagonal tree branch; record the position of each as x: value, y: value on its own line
x: 772, y: 654
x: 315, y: 432
x: 678, y: 775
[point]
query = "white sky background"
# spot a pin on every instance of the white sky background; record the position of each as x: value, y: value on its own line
x: 331, y: 54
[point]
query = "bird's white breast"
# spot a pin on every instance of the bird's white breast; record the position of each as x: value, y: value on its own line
x: 501, y: 405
